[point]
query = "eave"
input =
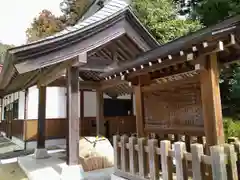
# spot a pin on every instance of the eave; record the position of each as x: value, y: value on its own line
x: 22, y: 55
x: 174, y: 52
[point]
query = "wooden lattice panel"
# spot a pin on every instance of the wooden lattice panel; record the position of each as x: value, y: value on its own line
x: 173, y: 108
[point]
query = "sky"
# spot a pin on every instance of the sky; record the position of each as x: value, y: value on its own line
x: 17, y: 15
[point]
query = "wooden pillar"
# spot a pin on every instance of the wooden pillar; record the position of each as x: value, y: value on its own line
x: 25, y: 117
x: 132, y: 110
x: 41, y: 117
x: 211, y: 102
x: 1, y: 108
x: 25, y: 103
x: 100, y: 114
x: 3, y: 105
x: 81, y: 104
x: 73, y: 110
x: 139, y: 105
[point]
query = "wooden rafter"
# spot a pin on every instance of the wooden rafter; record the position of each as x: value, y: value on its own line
x: 111, y: 83
x: 171, y: 84
x: 191, y: 54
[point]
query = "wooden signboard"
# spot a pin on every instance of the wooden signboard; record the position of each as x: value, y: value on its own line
x: 179, y: 107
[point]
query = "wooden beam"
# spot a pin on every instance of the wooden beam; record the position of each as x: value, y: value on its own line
x: 83, y: 85
x: 211, y: 102
x: 41, y: 117
x: 161, y: 65
x: 111, y: 83
x: 170, y: 84
x: 100, y: 114
x: 87, y: 44
x: 73, y: 109
x: 166, y: 59
x: 56, y: 72
x: 139, y: 105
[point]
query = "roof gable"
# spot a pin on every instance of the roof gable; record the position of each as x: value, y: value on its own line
x: 111, y: 9
x: 44, y: 51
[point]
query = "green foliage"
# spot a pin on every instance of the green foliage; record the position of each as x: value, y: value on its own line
x: 231, y: 128
x: 45, y: 25
x: 73, y: 10
x: 209, y: 11
x: 160, y: 16
x: 230, y: 91
x: 162, y: 19
x: 3, y: 49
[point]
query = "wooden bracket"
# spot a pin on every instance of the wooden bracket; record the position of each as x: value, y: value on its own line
x: 55, y: 73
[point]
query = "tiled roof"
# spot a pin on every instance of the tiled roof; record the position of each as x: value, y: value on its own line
x: 111, y: 8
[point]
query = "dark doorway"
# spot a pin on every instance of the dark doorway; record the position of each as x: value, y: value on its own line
x: 117, y: 107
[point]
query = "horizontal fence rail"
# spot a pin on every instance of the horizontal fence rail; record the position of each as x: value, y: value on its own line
x: 142, y: 159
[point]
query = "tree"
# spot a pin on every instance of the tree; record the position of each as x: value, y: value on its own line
x: 209, y: 12
x: 47, y: 24
x: 3, y: 49
x: 163, y: 20
x: 73, y: 10
x: 44, y: 25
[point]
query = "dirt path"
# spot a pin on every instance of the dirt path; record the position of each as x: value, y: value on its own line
x: 11, y: 172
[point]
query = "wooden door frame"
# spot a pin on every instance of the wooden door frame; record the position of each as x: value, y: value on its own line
x: 9, y: 119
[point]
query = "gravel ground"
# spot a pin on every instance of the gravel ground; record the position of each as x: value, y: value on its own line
x: 11, y: 172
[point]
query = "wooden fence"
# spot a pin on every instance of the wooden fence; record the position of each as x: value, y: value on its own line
x: 142, y: 159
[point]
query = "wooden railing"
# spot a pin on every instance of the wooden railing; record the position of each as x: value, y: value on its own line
x: 142, y: 159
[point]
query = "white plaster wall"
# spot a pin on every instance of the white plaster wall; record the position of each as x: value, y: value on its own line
x: 90, y: 104
x: 32, y: 103
x: 21, y: 105
x: 55, y: 102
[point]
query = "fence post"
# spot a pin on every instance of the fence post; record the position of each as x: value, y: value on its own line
x: 232, y: 139
x: 237, y: 149
x: 200, y: 139
x: 197, y: 152
x: 153, y: 159
x: 124, y: 154
x: 232, y: 171
x: 181, y: 168
x: 117, y: 162
x: 188, y: 143
x: 166, y: 160
x: 133, y: 155
x: 218, y: 163
x: 142, y: 159
x: 176, y: 137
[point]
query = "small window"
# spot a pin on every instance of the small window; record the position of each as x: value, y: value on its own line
x: 15, y: 109
x: 5, y: 113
